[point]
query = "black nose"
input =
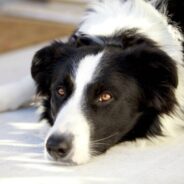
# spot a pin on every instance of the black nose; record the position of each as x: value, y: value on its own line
x: 58, y: 146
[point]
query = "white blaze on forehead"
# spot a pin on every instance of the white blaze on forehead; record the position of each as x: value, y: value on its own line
x: 85, y: 72
x: 71, y: 119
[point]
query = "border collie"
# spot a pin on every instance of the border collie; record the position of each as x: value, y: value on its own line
x: 119, y: 77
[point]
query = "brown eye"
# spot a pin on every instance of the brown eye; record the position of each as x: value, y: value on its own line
x: 105, y: 97
x: 61, y: 91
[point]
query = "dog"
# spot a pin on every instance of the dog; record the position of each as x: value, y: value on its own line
x: 118, y: 78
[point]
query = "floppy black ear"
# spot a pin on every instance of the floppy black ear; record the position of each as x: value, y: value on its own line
x: 156, y: 75
x: 43, y: 63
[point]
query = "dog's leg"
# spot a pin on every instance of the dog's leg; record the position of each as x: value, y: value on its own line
x: 16, y: 94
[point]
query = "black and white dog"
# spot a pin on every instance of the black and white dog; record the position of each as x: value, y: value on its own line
x: 119, y: 77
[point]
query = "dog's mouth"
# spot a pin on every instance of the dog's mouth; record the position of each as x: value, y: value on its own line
x: 64, y: 161
x: 69, y: 160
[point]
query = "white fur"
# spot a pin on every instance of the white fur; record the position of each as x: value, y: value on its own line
x: 16, y: 94
x: 173, y: 125
x: 162, y: 5
x: 112, y: 16
x: 109, y: 16
x: 71, y: 119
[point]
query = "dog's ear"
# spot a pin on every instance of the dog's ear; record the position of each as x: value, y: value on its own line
x: 43, y: 64
x: 156, y: 74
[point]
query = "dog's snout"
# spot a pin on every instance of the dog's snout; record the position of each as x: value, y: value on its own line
x: 59, y: 146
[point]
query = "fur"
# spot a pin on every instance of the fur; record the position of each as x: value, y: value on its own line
x: 142, y: 56
x: 130, y: 49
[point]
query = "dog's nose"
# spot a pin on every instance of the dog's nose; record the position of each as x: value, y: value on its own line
x: 58, y: 146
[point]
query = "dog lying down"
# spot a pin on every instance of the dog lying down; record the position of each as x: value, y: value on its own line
x: 119, y: 77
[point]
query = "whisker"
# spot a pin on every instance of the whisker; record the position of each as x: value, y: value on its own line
x: 94, y: 153
x: 105, y: 138
x: 97, y: 143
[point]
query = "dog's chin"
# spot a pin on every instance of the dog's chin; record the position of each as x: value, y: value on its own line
x: 70, y: 160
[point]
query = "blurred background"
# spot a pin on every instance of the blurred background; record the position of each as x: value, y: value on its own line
x: 24, y: 23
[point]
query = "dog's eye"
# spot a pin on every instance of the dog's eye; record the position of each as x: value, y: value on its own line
x: 61, y: 91
x: 105, y: 97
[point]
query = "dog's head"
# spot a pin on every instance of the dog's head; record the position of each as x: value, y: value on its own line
x: 97, y: 95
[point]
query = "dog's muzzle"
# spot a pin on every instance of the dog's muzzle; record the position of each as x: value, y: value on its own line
x: 59, y: 146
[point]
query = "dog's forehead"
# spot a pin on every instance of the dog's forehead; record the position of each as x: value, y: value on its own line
x: 78, y: 72
x: 104, y: 57
x: 87, y: 68
x: 88, y: 65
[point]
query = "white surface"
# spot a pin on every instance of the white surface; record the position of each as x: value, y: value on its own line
x: 21, y: 149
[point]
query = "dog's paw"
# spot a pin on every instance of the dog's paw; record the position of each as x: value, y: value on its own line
x: 14, y: 95
x: 9, y: 98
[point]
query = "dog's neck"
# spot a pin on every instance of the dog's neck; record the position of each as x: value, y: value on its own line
x: 108, y: 17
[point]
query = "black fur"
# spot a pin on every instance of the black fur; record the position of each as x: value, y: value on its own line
x: 50, y: 65
x: 141, y: 77
x: 44, y: 62
x: 175, y: 11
